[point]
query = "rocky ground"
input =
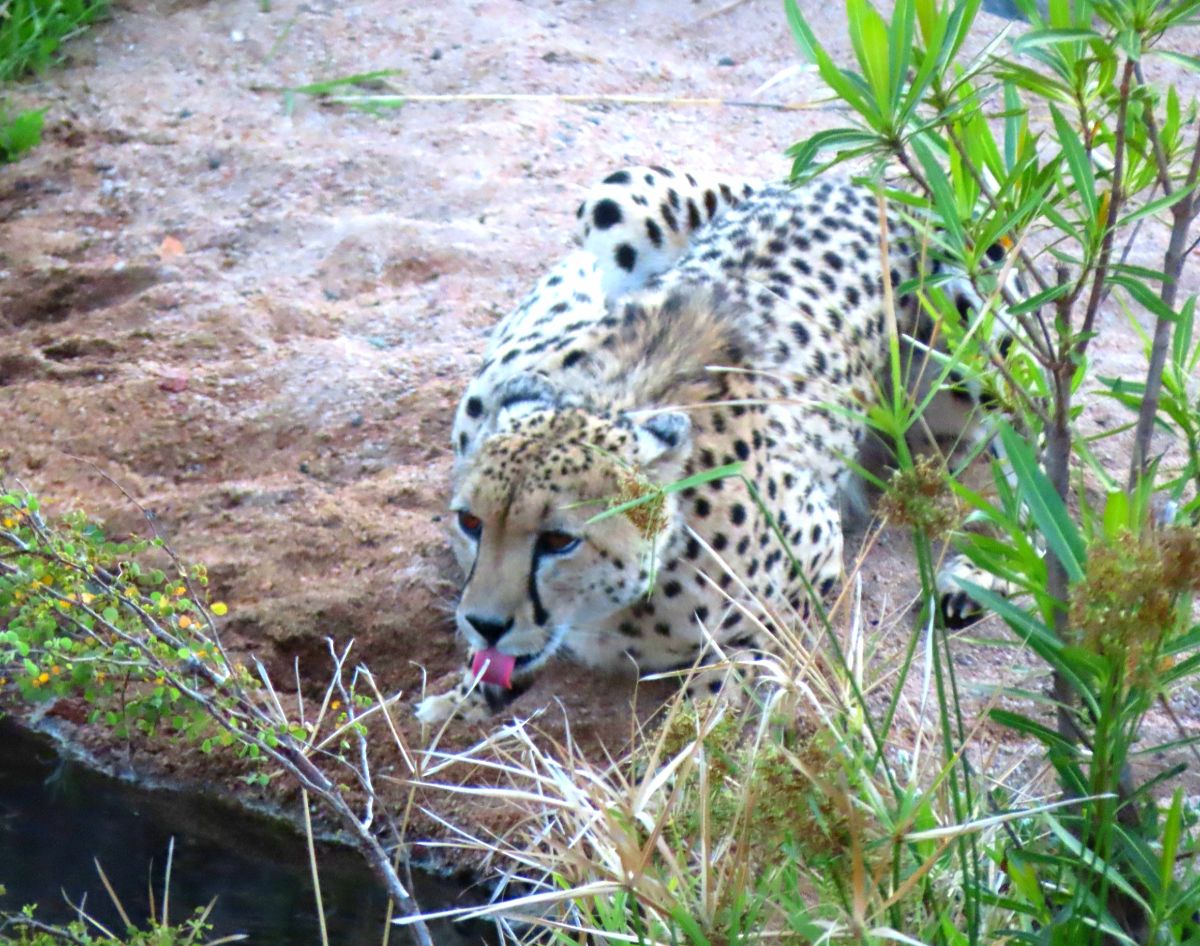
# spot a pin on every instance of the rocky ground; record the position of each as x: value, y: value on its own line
x: 255, y: 312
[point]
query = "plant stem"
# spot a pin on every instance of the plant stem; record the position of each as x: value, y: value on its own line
x: 1182, y: 213
x: 1057, y: 460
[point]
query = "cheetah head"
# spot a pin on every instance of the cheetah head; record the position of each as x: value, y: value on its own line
x: 541, y: 571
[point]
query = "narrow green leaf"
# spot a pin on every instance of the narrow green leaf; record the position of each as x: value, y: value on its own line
x: 1116, y: 513
x: 1039, y: 299
x: 1042, y: 86
x: 1144, y: 296
x: 1091, y: 860
x: 869, y: 37
x: 1185, y: 642
x: 1191, y: 63
x: 1014, y: 123
x: 1079, y: 163
x: 1060, y: 13
x: 1170, y: 130
x: 929, y: 21
x: 962, y: 19
x: 1155, y: 206
x: 943, y: 197
x: 1139, y: 272
x: 1182, y: 670
x: 1052, y: 37
x: 1043, y: 734
x: 325, y: 86
x: 1171, y: 833
x: 688, y: 482
x: 1181, y: 339
x: 1033, y: 632
x: 842, y: 85
x: 805, y: 153
x: 900, y: 47
x: 1045, y: 505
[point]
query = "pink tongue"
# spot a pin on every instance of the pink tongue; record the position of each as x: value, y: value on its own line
x: 500, y: 667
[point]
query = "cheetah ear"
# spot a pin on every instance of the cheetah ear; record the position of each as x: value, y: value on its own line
x: 664, y: 442
x: 523, y: 395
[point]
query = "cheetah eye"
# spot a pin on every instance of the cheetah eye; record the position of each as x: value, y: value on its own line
x: 471, y: 525
x: 555, y: 543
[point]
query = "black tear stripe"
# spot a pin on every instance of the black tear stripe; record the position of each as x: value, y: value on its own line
x: 540, y: 615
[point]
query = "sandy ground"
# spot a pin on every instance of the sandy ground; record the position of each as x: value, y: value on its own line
x: 257, y: 314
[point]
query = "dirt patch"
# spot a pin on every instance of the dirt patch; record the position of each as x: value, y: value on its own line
x: 59, y: 294
x: 256, y: 314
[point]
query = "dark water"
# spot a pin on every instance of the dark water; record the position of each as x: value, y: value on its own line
x: 56, y: 816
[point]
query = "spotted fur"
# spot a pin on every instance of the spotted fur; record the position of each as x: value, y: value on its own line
x: 638, y: 221
x: 755, y: 336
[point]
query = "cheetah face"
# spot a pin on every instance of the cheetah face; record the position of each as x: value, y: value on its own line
x: 541, y: 572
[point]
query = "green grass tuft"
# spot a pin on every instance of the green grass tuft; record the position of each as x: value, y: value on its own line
x: 31, y: 34
x: 32, y: 31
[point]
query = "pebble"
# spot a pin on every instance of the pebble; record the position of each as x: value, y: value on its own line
x: 726, y: 61
x: 435, y: 55
x: 175, y: 384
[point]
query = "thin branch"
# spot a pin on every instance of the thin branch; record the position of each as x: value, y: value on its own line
x: 1183, y: 213
x: 1160, y: 156
x: 1100, y: 273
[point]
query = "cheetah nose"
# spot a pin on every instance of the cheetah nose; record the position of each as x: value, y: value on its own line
x: 490, y: 630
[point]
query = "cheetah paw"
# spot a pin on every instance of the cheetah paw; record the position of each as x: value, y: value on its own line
x: 463, y: 701
x: 958, y: 608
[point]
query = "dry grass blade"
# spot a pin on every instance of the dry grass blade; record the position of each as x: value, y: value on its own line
x: 112, y: 894
x: 312, y: 864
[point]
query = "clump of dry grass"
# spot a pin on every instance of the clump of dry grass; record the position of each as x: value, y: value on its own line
x: 778, y: 807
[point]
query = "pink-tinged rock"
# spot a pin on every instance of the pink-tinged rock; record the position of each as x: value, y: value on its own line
x: 174, y: 383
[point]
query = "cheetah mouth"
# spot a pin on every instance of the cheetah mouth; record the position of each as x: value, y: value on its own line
x: 500, y: 668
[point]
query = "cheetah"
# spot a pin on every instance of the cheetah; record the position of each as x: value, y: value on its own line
x: 704, y: 322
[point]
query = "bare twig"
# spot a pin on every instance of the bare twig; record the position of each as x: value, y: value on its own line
x: 721, y: 11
